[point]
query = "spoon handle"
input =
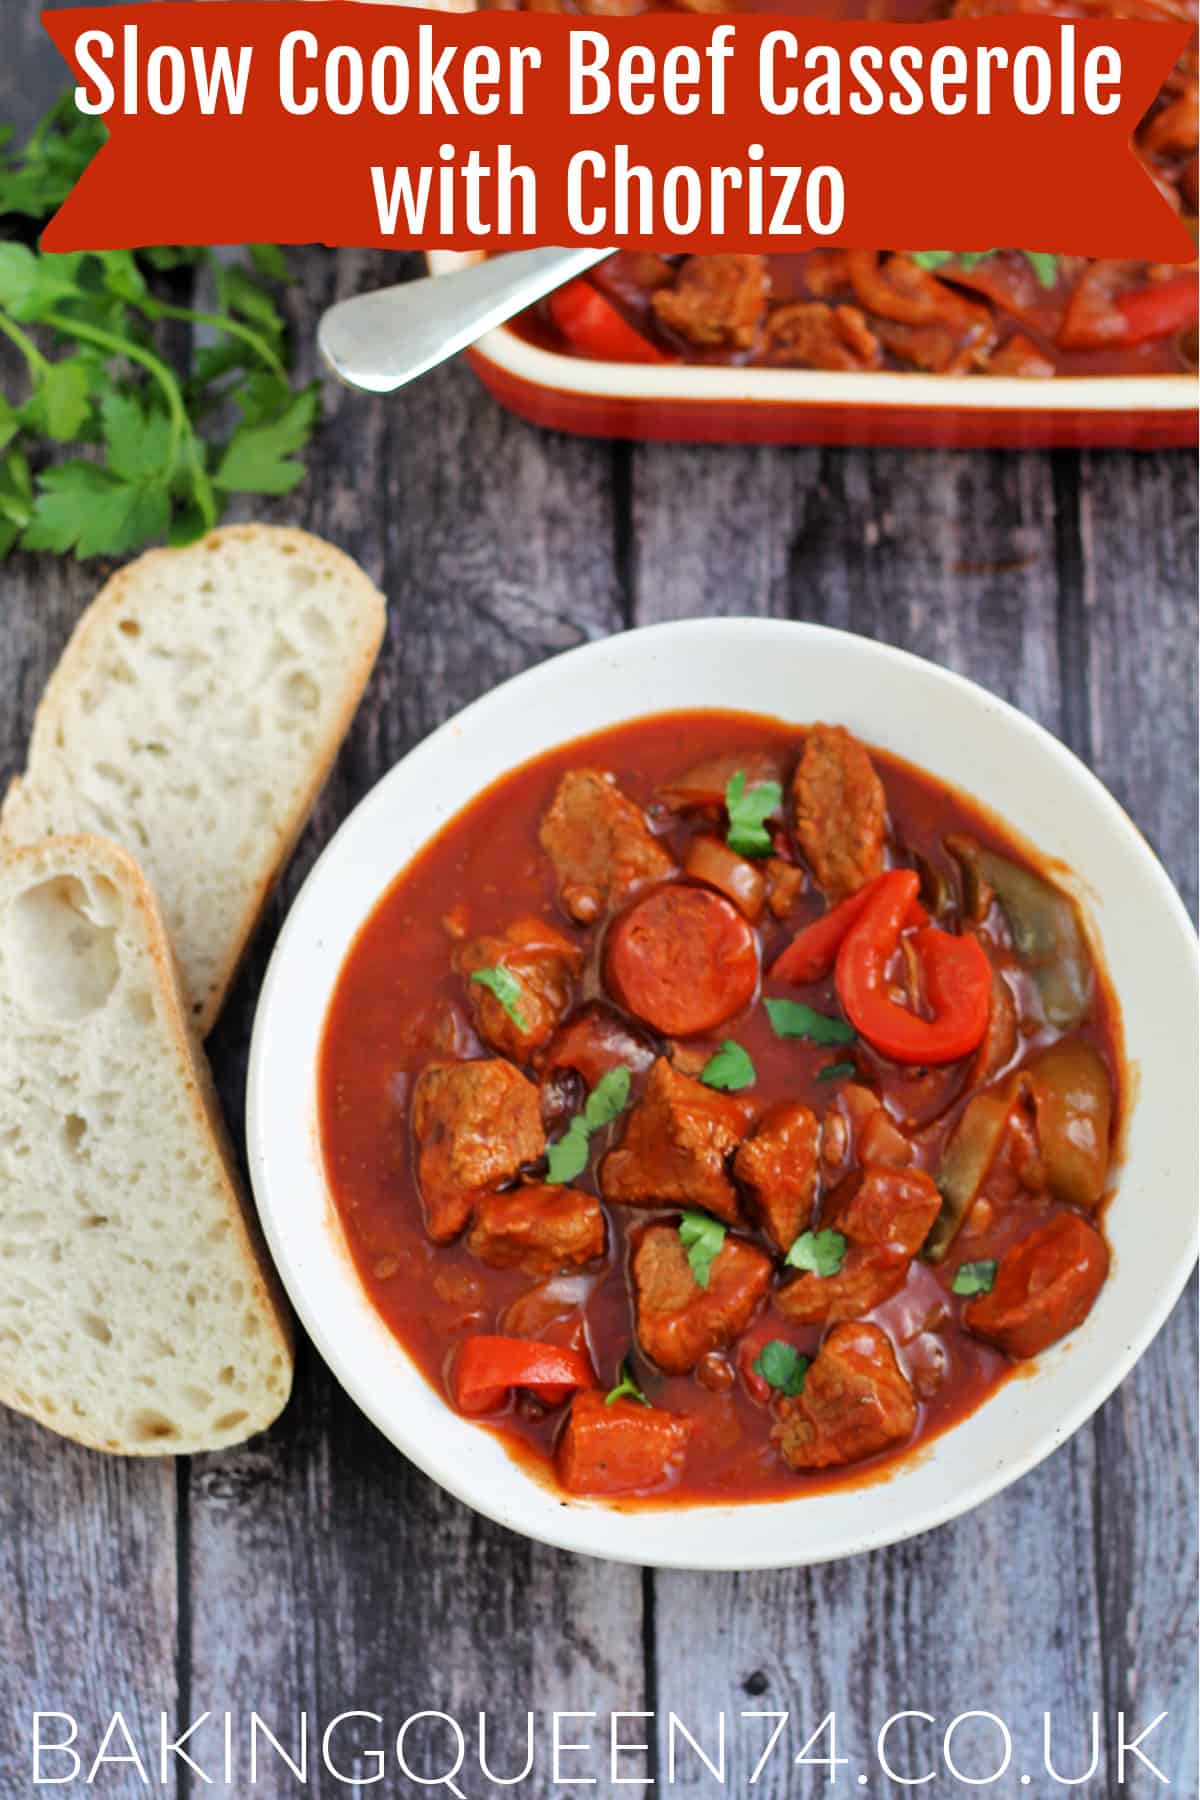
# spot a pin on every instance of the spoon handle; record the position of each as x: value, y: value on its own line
x: 380, y: 341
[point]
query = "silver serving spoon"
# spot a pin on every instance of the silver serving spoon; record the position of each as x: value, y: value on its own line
x: 380, y: 341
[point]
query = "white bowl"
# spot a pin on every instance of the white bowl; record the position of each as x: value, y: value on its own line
x: 958, y: 733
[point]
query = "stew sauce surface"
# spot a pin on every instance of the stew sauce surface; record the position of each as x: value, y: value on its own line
x: 401, y: 1005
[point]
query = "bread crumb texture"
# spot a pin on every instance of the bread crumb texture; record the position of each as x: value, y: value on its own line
x: 193, y: 718
x: 137, y: 1311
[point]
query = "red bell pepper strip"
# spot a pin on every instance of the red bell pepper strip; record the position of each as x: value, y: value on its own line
x: 593, y: 326
x: 957, y: 981
x: 488, y: 1367
x: 813, y: 951
x: 1161, y: 308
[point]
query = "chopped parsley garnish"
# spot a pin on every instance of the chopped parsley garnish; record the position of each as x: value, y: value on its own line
x: 504, y: 985
x: 748, y: 812
x: 818, y: 1252
x: 782, y: 1366
x: 702, y: 1237
x: 1043, y: 264
x: 730, y: 1069
x: 791, y: 1018
x: 836, y: 1071
x: 626, y: 1388
x: 974, y: 1277
x: 607, y: 1100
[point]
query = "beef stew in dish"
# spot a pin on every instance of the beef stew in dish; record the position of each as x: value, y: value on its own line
x: 1003, y: 312
x: 718, y: 1108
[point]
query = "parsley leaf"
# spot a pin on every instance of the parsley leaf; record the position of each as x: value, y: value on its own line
x: 507, y: 989
x: 259, y: 459
x: 608, y: 1099
x: 974, y: 1277
x: 836, y: 1071
x: 163, y: 461
x: 626, y: 1388
x: 1043, y: 264
x: 64, y: 398
x: 702, y: 1237
x: 791, y: 1018
x: 819, y: 1252
x: 747, y: 833
x: 35, y: 182
x: 730, y: 1069
x: 568, y: 1157
x: 782, y: 1366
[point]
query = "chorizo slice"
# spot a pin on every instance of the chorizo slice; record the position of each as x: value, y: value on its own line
x: 475, y: 1124
x: 684, y: 959
x: 678, y: 1321
x: 856, y: 1401
x: 1045, y: 1286
x: 676, y: 1145
x: 841, y: 811
x: 620, y: 1448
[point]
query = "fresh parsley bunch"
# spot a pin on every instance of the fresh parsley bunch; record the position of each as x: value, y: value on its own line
x: 107, y: 446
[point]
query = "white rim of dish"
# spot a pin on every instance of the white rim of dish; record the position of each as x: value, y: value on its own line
x: 817, y: 387
x: 570, y: 1524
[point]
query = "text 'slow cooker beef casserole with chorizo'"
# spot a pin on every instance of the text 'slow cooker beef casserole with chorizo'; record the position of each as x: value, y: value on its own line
x: 721, y: 1125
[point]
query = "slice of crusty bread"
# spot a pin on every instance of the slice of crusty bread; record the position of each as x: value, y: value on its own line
x: 137, y: 1312
x: 194, y: 717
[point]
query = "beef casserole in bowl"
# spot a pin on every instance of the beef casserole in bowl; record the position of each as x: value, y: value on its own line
x: 702, y: 1076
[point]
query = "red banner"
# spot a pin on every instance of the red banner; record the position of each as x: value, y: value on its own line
x: 237, y: 121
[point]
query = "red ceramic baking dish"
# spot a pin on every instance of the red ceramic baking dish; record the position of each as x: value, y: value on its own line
x: 694, y: 403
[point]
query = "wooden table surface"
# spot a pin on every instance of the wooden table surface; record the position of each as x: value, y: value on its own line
x: 316, y: 1570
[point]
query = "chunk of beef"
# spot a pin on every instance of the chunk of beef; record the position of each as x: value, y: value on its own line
x: 779, y: 1166
x: 538, y: 1229
x: 675, y: 1147
x: 545, y: 966
x: 678, y: 1321
x: 841, y: 811
x: 716, y: 302
x: 625, y: 1448
x: 855, y: 1402
x: 885, y: 1214
x: 600, y: 845
x: 1045, y: 1286
x: 475, y: 1125
x: 808, y: 334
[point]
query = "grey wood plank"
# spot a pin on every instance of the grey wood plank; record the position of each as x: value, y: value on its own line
x: 950, y: 555
x: 372, y: 1588
x: 1133, y: 627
